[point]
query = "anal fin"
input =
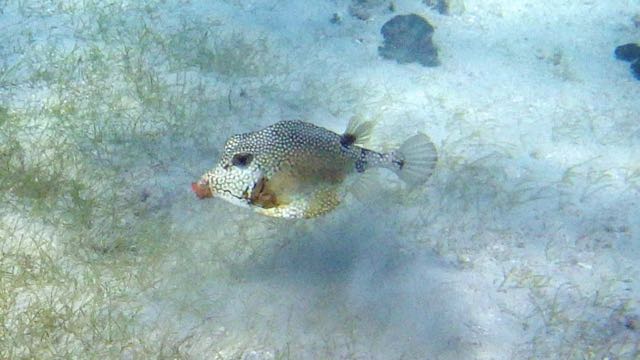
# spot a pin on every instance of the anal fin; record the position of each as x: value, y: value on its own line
x: 365, y: 186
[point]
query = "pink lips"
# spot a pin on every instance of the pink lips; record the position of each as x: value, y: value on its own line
x: 201, y: 189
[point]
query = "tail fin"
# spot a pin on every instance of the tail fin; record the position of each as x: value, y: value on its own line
x: 417, y: 157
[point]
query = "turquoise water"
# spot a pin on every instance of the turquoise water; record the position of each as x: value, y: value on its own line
x: 523, y: 244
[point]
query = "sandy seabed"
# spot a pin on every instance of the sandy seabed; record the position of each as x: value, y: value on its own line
x: 524, y: 244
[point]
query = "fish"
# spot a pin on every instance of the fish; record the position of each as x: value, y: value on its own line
x: 295, y: 169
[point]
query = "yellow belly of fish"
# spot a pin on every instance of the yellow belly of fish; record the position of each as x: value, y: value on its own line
x: 302, y: 190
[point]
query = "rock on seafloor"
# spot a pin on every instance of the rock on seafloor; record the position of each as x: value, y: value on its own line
x: 364, y: 9
x: 407, y: 39
x: 446, y: 7
x: 630, y: 52
x: 635, y: 69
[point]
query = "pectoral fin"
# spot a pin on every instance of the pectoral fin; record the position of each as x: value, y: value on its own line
x: 263, y: 195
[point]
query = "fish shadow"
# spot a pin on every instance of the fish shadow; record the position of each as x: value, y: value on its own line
x: 326, y: 249
x: 359, y: 266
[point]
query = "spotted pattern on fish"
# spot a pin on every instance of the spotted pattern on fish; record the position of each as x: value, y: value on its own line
x: 292, y: 169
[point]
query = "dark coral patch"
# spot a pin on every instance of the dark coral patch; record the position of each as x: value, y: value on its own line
x: 628, y: 52
x: 407, y: 39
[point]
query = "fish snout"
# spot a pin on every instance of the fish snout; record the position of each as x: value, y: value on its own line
x: 201, y: 189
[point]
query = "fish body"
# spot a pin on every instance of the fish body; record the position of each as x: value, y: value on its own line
x: 294, y: 169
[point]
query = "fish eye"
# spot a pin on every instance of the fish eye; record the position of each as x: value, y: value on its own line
x: 241, y: 159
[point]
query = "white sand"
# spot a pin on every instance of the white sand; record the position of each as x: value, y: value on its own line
x: 525, y: 243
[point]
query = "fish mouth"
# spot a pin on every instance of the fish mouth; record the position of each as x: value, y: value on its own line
x: 201, y: 189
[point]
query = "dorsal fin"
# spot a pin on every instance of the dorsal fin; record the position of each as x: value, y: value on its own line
x: 358, y: 131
